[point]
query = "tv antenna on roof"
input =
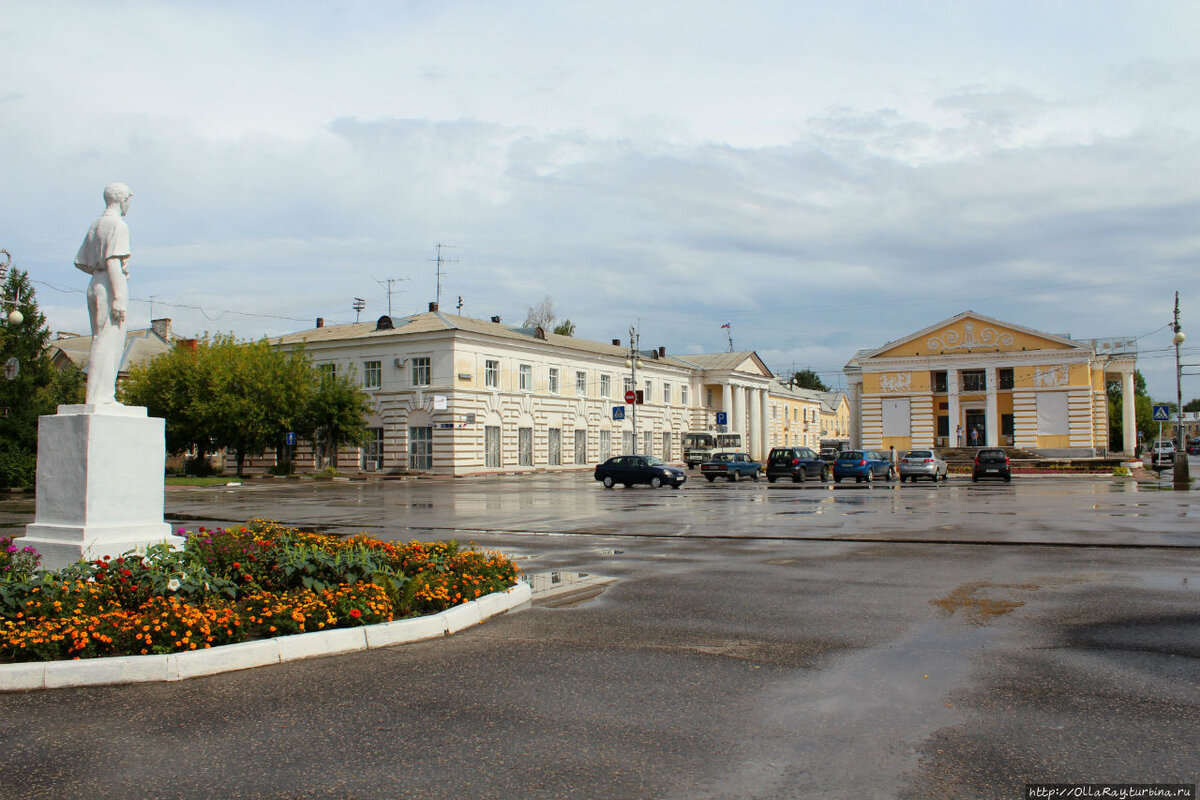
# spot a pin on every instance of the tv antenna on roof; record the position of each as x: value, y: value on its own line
x: 358, y: 305
x: 440, y: 260
x: 388, y: 283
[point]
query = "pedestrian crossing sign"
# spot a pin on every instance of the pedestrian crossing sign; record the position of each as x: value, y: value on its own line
x: 1161, y: 414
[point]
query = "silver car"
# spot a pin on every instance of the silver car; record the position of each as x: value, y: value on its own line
x: 922, y: 464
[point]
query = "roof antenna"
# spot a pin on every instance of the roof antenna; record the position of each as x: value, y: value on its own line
x: 358, y: 305
x: 441, y: 261
x: 388, y: 283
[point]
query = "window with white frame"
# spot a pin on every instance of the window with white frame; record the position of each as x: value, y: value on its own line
x: 491, y: 445
x: 372, y: 374
x: 525, y: 378
x: 667, y: 393
x: 552, y: 380
x: 648, y: 443
x: 666, y: 451
x: 648, y: 395
x: 328, y: 370
x: 683, y: 395
x: 606, y: 385
x: 581, y: 383
x: 627, y: 443
x: 491, y: 374
x: 605, y: 445
x: 627, y: 382
x: 554, y: 447
x: 421, y: 371
x: 420, y: 447
x: 708, y: 398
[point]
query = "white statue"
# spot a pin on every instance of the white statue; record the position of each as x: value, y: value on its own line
x: 104, y: 255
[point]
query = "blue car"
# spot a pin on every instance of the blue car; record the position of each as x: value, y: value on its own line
x: 862, y: 465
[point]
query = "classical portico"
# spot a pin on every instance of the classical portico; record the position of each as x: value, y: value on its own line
x: 743, y: 381
x: 975, y: 381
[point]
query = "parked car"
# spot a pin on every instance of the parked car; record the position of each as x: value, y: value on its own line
x: 1163, y: 453
x: 991, y: 462
x: 731, y: 467
x: 1193, y: 447
x: 862, y: 465
x: 829, y: 455
x: 923, y: 464
x: 628, y: 470
x: 796, y: 463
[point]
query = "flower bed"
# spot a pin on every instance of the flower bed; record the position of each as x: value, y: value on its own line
x: 257, y: 581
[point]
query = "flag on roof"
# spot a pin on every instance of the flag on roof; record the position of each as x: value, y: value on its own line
x: 726, y: 325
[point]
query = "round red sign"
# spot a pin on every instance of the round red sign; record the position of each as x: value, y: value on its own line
x: 630, y: 396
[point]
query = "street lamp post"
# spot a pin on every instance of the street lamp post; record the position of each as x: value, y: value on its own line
x: 633, y: 362
x: 1182, y: 476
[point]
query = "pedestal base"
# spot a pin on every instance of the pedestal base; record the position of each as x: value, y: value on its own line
x: 99, y: 484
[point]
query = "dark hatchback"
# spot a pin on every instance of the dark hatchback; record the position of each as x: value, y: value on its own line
x: 991, y: 463
x: 797, y: 463
x: 628, y: 470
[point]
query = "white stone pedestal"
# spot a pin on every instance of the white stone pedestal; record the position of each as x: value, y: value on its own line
x: 99, y: 484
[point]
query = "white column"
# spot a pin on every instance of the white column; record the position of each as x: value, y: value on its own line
x: 727, y: 404
x: 738, y: 423
x: 754, y: 439
x: 855, y: 403
x: 1128, y: 413
x: 764, y: 400
x: 954, y: 413
x: 991, y: 414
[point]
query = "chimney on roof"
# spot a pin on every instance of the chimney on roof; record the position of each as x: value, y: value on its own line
x: 496, y: 318
x: 616, y: 342
x: 662, y: 352
x: 188, y: 344
x: 320, y: 322
x: 433, y: 306
x: 161, y: 328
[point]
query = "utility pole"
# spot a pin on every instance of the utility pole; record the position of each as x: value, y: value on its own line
x: 440, y: 260
x: 1182, y: 476
x: 633, y: 362
x: 388, y: 283
x: 358, y: 305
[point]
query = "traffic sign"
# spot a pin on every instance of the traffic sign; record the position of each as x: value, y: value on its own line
x: 1162, y: 413
x: 722, y: 418
x: 289, y: 438
x: 630, y: 396
x: 618, y: 412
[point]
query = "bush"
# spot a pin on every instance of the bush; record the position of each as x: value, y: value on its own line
x: 200, y: 468
x: 282, y: 468
x: 18, y: 468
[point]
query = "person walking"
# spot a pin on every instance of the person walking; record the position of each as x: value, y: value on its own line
x: 958, y: 436
x: 975, y: 436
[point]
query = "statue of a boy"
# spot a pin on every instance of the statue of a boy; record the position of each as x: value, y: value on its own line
x: 104, y: 255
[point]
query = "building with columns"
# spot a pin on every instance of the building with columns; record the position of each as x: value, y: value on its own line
x: 454, y: 395
x: 1010, y: 385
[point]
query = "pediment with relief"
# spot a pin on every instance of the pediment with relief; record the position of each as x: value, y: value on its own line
x: 972, y: 334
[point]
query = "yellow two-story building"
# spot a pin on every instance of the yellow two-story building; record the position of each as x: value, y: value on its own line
x: 976, y: 381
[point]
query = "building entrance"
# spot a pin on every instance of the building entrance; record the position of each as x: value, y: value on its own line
x: 976, y: 420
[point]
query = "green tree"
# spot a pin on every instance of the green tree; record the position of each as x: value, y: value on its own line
x: 808, y: 379
x: 336, y: 415
x: 37, y: 387
x: 244, y: 396
x: 565, y: 328
x: 1192, y: 406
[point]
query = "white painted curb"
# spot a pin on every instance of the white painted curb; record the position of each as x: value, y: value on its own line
x: 259, y: 653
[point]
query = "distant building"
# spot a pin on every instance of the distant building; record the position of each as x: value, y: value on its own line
x: 454, y: 395
x: 141, y: 347
x: 1008, y: 384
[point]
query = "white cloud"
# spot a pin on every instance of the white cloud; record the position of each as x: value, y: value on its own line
x: 824, y: 176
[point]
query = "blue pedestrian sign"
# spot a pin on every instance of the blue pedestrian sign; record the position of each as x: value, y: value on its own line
x: 722, y: 418
x: 618, y: 412
x: 1162, y: 414
x: 290, y: 438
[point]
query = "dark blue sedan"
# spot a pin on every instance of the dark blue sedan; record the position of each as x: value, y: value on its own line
x: 862, y: 465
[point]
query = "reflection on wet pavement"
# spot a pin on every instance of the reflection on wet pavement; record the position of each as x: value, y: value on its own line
x: 563, y: 589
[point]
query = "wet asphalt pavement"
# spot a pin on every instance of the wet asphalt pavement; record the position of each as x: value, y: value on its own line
x: 921, y: 641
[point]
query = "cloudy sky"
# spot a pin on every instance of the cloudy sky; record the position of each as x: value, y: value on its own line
x: 822, y: 176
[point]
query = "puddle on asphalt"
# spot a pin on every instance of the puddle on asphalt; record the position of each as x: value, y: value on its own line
x: 982, y: 602
x: 563, y: 589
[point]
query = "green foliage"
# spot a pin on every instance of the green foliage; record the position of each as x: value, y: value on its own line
x: 336, y: 415
x: 225, y: 393
x: 808, y: 379
x: 38, y: 387
x: 1192, y: 406
x: 565, y: 328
